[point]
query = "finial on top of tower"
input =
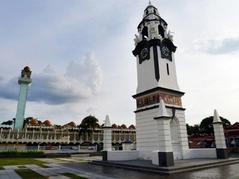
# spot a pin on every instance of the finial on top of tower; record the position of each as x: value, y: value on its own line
x: 26, y: 72
x: 150, y: 2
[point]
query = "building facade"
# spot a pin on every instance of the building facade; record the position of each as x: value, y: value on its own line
x: 51, y: 135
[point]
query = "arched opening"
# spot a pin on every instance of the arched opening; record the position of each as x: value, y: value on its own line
x: 145, y: 32
x: 161, y: 30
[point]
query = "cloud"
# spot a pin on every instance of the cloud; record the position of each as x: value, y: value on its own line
x: 88, y: 72
x: 218, y: 46
x: 80, y: 81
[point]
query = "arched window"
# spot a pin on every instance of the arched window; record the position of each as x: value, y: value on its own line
x: 145, y: 32
x: 161, y: 30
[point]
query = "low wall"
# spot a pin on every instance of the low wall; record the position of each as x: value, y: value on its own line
x: 122, y: 155
x: 199, y: 153
x: 145, y: 155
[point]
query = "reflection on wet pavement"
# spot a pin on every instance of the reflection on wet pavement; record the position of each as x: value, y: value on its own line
x: 223, y: 172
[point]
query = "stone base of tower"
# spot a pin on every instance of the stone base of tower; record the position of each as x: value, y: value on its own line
x: 163, y: 159
x: 148, y: 132
x: 222, y: 153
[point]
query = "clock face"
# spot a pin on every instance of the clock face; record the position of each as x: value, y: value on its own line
x: 165, y: 52
x: 144, y: 53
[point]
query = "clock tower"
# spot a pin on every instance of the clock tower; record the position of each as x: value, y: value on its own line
x: 158, y: 97
x: 154, y: 50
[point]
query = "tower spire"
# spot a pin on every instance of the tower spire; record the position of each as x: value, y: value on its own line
x: 150, y: 2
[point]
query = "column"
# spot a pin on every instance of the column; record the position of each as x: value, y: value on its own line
x: 107, y: 137
x: 221, y: 148
x: 164, y: 156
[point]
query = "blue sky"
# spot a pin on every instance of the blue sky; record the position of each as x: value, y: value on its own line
x: 80, y: 53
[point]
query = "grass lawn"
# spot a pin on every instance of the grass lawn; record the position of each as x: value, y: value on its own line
x: 29, y: 174
x: 19, y: 161
x: 73, y: 176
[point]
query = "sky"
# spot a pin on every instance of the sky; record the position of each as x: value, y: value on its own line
x: 80, y: 54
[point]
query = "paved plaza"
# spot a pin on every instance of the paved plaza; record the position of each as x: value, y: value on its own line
x: 55, y: 167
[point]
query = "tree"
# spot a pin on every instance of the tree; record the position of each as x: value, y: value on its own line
x: 27, y: 121
x: 207, y: 127
x: 9, y: 122
x: 88, y: 125
x: 193, y: 130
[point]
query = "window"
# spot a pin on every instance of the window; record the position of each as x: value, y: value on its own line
x: 167, y: 69
x: 145, y: 32
x: 161, y: 30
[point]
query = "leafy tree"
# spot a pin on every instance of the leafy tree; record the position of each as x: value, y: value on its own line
x: 207, y: 127
x: 27, y: 121
x: 193, y: 130
x: 88, y: 125
x: 9, y: 122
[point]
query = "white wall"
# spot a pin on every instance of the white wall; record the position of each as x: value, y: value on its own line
x: 146, y: 133
x: 199, y: 153
x: 146, y: 73
x: 167, y: 81
x: 127, y: 146
x: 122, y: 155
x: 107, y: 139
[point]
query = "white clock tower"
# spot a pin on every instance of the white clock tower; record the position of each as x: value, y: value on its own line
x: 160, y: 121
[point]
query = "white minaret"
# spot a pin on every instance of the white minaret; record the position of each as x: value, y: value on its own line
x: 221, y: 148
x: 156, y: 75
x: 24, y: 82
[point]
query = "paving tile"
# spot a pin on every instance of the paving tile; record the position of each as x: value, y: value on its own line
x: 58, y: 177
x: 4, y: 176
x: 12, y: 167
x: 14, y: 175
x: 2, y: 172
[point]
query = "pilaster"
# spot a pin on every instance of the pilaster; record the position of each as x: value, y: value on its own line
x: 221, y: 148
x: 165, y: 153
x: 107, y: 137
